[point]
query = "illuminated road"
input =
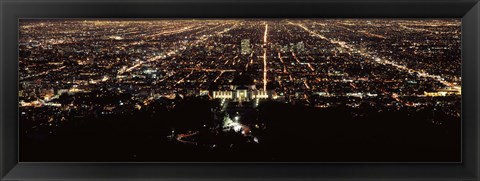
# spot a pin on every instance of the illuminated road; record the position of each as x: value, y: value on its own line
x: 188, y: 75
x: 151, y: 59
x: 361, y: 31
x: 211, y: 70
x: 420, y: 29
x: 171, y: 53
x: 176, y: 31
x: 44, y: 73
x: 265, y: 58
x: 283, y: 63
x: 295, y: 56
x: 375, y: 59
x: 251, y: 60
x: 218, y: 77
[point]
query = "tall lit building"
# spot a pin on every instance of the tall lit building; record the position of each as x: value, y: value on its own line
x: 300, y: 47
x: 246, y: 48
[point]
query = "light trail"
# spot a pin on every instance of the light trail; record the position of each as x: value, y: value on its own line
x: 265, y: 58
x: 180, y: 138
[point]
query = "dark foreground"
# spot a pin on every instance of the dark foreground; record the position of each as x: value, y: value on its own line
x: 290, y: 134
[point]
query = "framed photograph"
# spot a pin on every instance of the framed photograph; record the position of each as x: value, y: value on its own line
x: 239, y: 90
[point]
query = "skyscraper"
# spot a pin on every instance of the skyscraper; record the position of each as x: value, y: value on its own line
x: 246, y: 48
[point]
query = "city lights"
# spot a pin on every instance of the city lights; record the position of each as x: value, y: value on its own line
x: 217, y: 85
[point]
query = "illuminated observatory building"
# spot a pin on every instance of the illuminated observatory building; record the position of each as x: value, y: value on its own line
x: 242, y: 89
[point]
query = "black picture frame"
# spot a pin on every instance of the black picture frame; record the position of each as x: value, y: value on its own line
x: 12, y: 10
